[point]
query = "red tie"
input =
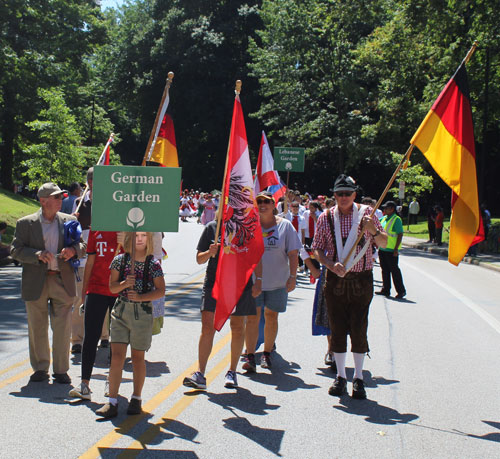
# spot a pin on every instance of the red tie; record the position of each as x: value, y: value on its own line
x: 295, y: 222
x: 311, y: 226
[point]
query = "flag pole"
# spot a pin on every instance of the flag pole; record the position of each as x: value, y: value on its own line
x: 85, y: 191
x: 158, y: 119
x: 382, y: 197
x: 222, y: 201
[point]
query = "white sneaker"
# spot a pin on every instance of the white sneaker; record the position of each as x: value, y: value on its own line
x: 230, y: 380
x: 82, y: 391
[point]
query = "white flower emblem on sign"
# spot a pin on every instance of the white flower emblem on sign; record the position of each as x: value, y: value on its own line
x: 288, y: 166
x: 135, y: 217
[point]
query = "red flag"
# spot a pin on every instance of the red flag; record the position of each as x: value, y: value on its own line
x: 242, y: 244
x: 104, y: 159
x: 266, y: 177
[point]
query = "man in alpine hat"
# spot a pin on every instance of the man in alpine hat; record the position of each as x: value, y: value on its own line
x: 349, y: 282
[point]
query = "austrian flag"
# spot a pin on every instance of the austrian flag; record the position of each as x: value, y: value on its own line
x: 242, y: 245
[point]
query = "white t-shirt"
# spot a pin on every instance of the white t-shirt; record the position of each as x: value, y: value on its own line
x: 279, y: 240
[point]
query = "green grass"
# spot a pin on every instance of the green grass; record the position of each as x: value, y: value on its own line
x: 13, y: 207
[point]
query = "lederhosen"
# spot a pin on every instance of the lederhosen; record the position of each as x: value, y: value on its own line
x: 348, y: 301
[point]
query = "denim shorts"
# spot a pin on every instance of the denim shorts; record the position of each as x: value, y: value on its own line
x: 275, y: 300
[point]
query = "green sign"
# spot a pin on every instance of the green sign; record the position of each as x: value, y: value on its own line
x: 289, y: 159
x: 136, y: 198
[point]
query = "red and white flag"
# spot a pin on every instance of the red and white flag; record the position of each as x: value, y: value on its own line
x: 242, y: 244
x: 104, y: 158
x: 266, y: 178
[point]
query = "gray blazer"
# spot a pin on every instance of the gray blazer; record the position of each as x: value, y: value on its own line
x: 26, y: 247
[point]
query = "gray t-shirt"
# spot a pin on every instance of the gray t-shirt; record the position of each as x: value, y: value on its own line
x: 278, y: 241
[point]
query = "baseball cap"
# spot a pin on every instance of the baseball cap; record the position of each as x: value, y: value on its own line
x: 49, y: 189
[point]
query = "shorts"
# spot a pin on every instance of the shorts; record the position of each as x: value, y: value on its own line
x: 275, y: 300
x: 132, y: 323
x: 245, y: 307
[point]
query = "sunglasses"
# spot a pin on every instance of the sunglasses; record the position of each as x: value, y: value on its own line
x: 264, y: 201
x: 344, y: 194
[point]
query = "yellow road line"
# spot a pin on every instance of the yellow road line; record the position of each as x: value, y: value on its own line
x: 15, y: 378
x: 112, y: 437
x: 135, y: 448
x: 19, y: 364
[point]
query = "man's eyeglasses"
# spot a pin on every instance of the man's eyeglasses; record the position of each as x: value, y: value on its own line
x: 343, y: 194
x: 264, y: 201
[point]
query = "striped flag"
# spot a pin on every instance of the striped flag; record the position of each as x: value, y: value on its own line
x: 266, y: 177
x: 164, y: 151
x: 446, y: 138
x: 242, y: 244
x: 104, y: 158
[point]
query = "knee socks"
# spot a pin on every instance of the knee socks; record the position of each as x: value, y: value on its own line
x: 358, y: 365
x: 340, y: 358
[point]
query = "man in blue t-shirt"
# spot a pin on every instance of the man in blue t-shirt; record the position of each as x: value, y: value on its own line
x: 389, y: 256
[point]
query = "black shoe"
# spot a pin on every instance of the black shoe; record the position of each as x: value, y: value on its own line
x: 134, y: 406
x: 382, y: 292
x: 400, y: 296
x: 76, y: 349
x: 265, y: 361
x: 108, y: 411
x: 61, y: 378
x: 358, y: 389
x: 39, y: 376
x: 104, y: 343
x: 339, y: 386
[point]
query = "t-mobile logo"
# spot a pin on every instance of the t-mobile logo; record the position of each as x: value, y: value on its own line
x: 101, y: 248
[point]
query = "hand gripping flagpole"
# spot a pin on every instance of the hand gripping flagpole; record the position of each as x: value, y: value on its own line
x: 87, y: 188
x: 222, y: 202
x: 403, y: 164
x: 158, y: 120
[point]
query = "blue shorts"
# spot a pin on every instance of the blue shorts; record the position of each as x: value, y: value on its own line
x: 275, y: 300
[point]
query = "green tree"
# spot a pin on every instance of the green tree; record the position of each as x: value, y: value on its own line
x: 58, y: 156
x: 43, y: 44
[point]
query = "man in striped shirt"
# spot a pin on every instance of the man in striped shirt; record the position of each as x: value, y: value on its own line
x: 349, y: 281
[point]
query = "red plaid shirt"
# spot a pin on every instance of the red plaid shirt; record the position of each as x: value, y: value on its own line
x: 325, y: 240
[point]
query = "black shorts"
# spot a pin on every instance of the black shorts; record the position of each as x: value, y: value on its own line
x: 244, y: 307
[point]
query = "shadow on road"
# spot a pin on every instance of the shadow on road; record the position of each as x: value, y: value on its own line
x: 373, y: 412
x: 269, y: 439
x: 107, y: 453
x: 281, y: 376
x: 242, y: 400
x: 13, y: 322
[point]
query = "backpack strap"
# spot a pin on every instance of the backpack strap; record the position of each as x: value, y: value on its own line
x: 146, y: 273
x: 121, y: 275
x: 332, y: 230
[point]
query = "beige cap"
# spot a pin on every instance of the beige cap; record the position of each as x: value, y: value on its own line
x: 49, y: 189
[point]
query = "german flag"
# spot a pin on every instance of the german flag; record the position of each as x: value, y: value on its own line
x: 446, y: 138
x: 165, y: 149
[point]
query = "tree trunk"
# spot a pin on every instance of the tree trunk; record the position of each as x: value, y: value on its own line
x: 8, y: 136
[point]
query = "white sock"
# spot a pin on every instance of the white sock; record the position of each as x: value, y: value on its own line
x: 358, y: 365
x: 136, y: 397
x: 113, y: 401
x: 340, y: 358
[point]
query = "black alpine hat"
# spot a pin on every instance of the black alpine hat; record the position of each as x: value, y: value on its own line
x: 344, y: 183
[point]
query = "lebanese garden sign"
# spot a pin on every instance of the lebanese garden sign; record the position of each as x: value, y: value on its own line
x: 289, y: 159
x: 136, y: 198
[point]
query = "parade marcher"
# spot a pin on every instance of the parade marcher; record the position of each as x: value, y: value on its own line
x: 208, y: 250
x: 413, y: 211
x: 389, y: 256
x: 209, y: 210
x: 83, y: 215
x: 439, y: 221
x: 279, y: 276
x: 348, y: 293
x: 74, y: 191
x: 132, y: 317
x: 98, y: 301
x: 48, y: 282
x: 431, y: 223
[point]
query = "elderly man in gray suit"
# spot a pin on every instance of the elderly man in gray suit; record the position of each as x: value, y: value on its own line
x: 48, y: 282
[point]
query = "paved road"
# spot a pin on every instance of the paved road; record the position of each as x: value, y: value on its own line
x: 432, y: 379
